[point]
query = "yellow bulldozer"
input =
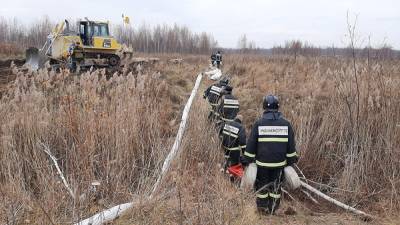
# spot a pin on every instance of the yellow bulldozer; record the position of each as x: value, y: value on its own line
x: 88, y: 44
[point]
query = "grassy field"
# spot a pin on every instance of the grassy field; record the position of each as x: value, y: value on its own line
x: 347, y: 141
x: 117, y: 129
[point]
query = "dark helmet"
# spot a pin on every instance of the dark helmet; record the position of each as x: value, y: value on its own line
x: 228, y: 89
x: 218, y: 52
x: 224, y: 81
x: 271, y: 102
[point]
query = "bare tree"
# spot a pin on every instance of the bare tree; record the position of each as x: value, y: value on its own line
x: 246, y: 46
x: 164, y: 38
x: 294, y: 47
x: 13, y: 32
x: 242, y: 43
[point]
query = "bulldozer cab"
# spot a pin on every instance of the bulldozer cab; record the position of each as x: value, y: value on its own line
x: 90, y: 29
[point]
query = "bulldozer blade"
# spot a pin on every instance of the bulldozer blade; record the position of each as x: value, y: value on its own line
x: 34, y: 58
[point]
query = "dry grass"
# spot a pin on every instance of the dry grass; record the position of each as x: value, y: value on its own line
x: 346, y: 140
x: 116, y: 131
x: 196, y: 192
x: 359, y: 160
x: 119, y: 130
x: 9, y: 50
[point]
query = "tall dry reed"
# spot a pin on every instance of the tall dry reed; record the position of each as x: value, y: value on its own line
x: 114, y: 131
x: 347, y: 139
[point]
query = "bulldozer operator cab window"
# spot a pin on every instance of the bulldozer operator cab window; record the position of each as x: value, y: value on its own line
x: 100, y: 30
x: 88, y: 30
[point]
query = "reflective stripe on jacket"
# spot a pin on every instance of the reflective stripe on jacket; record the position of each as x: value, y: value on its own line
x: 271, y: 142
x: 213, y: 93
x: 229, y: 107
x: 233, y: 136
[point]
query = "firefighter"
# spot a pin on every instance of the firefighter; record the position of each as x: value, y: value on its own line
x: 213, y: 58
x: 218, y: 59
x: 229, y: 105
x: 213, y: 94
x: 271, y: 145
x: 233, y: 141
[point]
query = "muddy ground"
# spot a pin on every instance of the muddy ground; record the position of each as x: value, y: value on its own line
x: 6, y: 75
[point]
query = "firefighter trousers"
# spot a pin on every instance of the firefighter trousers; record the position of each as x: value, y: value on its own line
x: 268, y: 186
x: 232, y: 157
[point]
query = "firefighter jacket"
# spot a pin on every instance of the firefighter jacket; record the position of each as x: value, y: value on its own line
x: 218, y: 57
x: 271, y: 142
x: 233, y: 136
x: 213, y: 93
x: 228, y: 108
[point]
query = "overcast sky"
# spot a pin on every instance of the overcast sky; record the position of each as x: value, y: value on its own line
x: 267, y: 22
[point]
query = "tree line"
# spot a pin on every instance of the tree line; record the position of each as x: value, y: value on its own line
x: 16, y: 37
x: 165, y: 38
x: 296, y: 48
x: 19, y: 36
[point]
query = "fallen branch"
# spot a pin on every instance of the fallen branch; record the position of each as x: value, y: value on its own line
x: 334, y: 201
x: 54, y: 159
x: 287, y: 193
x: 310, y: 197
x: 114, y: 212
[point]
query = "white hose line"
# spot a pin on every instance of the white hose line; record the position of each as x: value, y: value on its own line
x: 179, y: 135
x: 106, y: 215
x: 114, y: 212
